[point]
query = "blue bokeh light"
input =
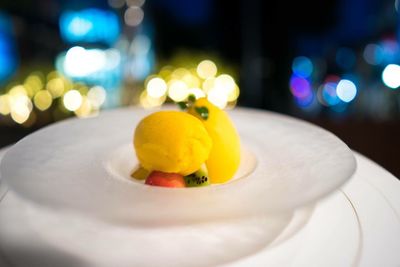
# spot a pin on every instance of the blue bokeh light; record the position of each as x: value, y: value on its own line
x: 8, y: 60
x: 89, y: 25
x: 346, y: 90
x: 329, y: 94
x: 390, y: 51
x: 373, y: 54
x: 306, y: 101
x: 302, y: 66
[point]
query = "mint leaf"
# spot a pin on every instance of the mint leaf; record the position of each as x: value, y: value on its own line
x: 202, y: 111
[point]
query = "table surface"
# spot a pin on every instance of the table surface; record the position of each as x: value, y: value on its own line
x: 359, y: 225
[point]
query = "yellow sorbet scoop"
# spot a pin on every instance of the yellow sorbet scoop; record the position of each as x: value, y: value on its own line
x: 172, y: 141
x: 224, y: 157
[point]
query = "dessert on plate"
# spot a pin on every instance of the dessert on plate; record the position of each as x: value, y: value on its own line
x: 198, y: 146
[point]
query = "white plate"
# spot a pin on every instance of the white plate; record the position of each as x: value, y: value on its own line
x: 35, y: 233
x: 67, y: 166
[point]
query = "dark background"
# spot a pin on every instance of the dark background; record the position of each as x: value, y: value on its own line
x: 259, y: 39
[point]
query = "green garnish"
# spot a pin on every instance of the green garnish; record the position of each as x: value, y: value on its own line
x: 182, y: 105
x: 185, y: 105
x: 202, y: 111
x: 191, y: 98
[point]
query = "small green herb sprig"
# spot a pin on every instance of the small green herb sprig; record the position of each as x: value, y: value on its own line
x: 185, y: 105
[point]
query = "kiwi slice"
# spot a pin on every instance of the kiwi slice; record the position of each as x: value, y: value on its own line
x: 140, y: 173
x: 199, y: 178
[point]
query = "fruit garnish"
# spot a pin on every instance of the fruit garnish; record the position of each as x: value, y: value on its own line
x: 186, y: 105
x: 224, y: 158
x: 164, y: 179
x: 140, y: 173
x: 202, y: 111
x: 172, y: 142
x: 199, y: 178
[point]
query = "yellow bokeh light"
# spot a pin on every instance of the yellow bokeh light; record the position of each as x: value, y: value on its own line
x: 147, y: 101
x: 67, y: 84
x: 52, y: 75
x: 166, y: 72
x: 17, y: 101
x: 85, y: 109
x: 34, y: 82
x: 179, y: 73
x: 72, y: 100
x: 42, y: 100
x: 201, y: 80
x: 97, y: 96
x: 206, y: 69
x: 208, y: 84
x: 191, y: 80
x: 20, y: 113
x: 218, y: 98
x: 17, y: 91
x: 197, y: 92
x: 4, y: 105
x: 225, y: 83
x: 156, y: 87
x: 234, y: 94
x: 177, y: 90
x: 55, y: 87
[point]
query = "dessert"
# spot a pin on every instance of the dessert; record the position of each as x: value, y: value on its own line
x: 224, y: 158
x: 186, y: 149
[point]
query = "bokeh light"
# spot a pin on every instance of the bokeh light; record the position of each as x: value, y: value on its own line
x: 72, y: 100
x: 97, y: 96
x: 234, y: 95
x: 206, y: 69
x: 306, y: 101
x: 42, y: 100
x: 391, y: 76
x: 299, y: 86
x: 21, y: 99
x: 55, y: 87
x: 20, y: 106
x: 5, y: 108
x: 346, y: 90
x: 133, y: 16
x: 80, y: 62
x: 218, y: 98
x: 141, y: 45
x: 147, y: 101
x: 329, y: 94
x: 208, y: 84
x: 225, y: 83
x: 302, y: 66
x: 90, y: 25
x: 199, y: 78
x: 20, y: 113
x: 156, y: 87
x: 85, y: 108
x: 8, y: 55
x: 390, y: 51
x: 373, y: 54
x: 177, y: 90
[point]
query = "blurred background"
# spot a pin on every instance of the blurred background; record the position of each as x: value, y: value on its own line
x: 335, y: 63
